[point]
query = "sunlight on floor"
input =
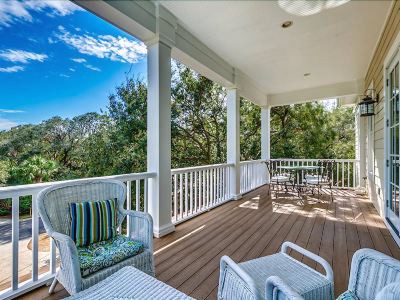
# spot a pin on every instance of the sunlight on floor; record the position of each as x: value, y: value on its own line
x: 251, y: 204
x: 180, y: 239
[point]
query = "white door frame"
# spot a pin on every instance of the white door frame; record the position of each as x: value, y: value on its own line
x: 391, y: 55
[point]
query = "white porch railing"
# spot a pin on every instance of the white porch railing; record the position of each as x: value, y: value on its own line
x: 344, y: 175
x: 194, y: 190
x: 22, y: 281
x: 198, y: 189
x: 253, y: 173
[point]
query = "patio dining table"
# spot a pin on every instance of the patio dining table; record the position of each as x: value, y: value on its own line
x: 298, y: 172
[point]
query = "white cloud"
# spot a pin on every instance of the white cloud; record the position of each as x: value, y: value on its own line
x: 63, y: 75
x: 104, y: 46
x: 10, y: 111
x: 92, y: 68
x: 12, y: 69
x: 6, y: 124
x: 18, y: 10
x: 21, y: 56
x: 72, y: 69
x: 78, y: 60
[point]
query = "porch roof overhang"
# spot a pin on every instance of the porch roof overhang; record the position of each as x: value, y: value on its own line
x: 242, y: 44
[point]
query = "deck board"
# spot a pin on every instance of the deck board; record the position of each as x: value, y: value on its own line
x: 188, y: 259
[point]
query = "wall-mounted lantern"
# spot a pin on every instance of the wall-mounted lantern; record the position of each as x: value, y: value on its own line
x: 367, y: 106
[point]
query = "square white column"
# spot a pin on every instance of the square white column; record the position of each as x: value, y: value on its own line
x: 159, y: 136
x: 265, y: 132
x: 266, y: 138
x: 233, y: 141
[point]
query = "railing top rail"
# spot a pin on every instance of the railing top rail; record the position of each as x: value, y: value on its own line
x: 255, y: 161
x: 317, y: 159
x: 28, y: 189
x: 199, y: 168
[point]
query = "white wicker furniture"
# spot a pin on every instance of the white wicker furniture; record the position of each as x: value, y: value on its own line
x: 371, y: 271
x: 130, y: 283
x: 389, y: 292
x: 277, y: 276
x: 53, y: 206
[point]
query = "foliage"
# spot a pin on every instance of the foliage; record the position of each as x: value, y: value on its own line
x: 35, y: 169
x: 198, y: 121
x: 4, y: 172
x: 312, y: 131
x: 114, y: 141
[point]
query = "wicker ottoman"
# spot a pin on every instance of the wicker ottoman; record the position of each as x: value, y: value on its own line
x: 130, y: 283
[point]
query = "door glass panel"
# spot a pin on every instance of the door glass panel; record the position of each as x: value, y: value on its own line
x: 394, y: 146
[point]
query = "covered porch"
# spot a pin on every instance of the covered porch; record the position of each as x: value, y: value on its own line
x: 203, y: 212
x: 255, y: 226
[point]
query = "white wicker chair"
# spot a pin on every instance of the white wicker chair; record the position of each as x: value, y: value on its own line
x: 53, y: 206
x: 372, y: 271
x: 277, y: 276
x: 389, y: 292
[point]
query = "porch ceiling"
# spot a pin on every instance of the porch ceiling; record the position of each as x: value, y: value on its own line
x: 335, y: 45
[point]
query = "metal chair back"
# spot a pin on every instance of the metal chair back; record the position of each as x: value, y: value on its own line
x: 325, y: 169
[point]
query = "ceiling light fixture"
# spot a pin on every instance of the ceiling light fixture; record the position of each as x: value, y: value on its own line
x: 287, y: 24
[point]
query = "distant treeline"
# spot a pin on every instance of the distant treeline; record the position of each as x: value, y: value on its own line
x: 114, y: 140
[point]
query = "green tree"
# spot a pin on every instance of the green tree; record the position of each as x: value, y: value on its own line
x: 35, y: 169
x: 198, y: 123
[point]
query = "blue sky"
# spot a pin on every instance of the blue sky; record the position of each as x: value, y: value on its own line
x: 57, y: 59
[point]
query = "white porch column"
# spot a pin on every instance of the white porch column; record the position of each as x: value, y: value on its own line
x: 360, y: 137
x: 159, y: 136
x: 266, y: 137
x: 233, y: 141
x: 265, y: 132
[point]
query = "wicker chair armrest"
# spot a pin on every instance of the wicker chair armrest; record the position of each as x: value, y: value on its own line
x: 69, y: 258
x: 274, y: 282
x: 327, y: 267
x: 384, y: 261
x: 141, y: 227
x: 227, y: 263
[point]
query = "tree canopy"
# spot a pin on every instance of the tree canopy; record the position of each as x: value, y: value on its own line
x: 113, y: 141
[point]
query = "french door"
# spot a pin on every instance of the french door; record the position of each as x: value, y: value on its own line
x: 393, y: 146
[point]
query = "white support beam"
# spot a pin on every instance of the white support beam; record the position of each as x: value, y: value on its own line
x: 318, y: 93
x: 265, y: 132
x: 159, y: 136
x: 233, y: 141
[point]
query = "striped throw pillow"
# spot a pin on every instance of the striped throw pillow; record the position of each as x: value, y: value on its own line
x: 93, y: 221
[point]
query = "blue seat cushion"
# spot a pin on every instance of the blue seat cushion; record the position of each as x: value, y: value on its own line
x: 347, y: 295
x: 97, y: 256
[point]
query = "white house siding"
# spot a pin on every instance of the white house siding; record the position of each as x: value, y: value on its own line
x: 375, y: 75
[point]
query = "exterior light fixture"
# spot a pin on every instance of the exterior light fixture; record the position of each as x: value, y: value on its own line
x: 367, y: 106
x: 287, y: 24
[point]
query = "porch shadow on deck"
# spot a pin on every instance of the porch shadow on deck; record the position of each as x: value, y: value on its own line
x: 255, y: 226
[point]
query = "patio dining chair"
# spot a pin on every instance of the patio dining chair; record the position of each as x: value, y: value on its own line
x: 278, y: 276
x: 370, y: 274
x: 322, y: 178
x: 276, y: 176
x: 86, y: 263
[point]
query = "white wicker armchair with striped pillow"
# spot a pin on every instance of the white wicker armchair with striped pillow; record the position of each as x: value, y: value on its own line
x: 54, y: 206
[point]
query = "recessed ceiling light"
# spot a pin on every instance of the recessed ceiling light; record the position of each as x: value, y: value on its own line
x: 307, y: 74
x: 287, y: 24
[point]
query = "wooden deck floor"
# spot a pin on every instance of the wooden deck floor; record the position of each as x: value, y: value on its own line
x: 255, y: 226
